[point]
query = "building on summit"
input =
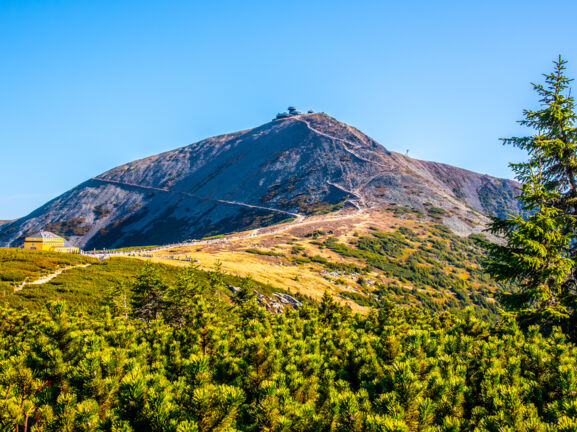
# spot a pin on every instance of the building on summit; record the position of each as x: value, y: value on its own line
x: 292, y: 111
x: 47, y: 241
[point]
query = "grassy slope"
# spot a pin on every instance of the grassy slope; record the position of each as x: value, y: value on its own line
x: 429, y: 266
x: 399, y: 254
x: 17, y: 265
x: 85, y: 288
x: 407, y: 258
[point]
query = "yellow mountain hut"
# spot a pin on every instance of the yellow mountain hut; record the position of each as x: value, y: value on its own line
x: 47, y: 241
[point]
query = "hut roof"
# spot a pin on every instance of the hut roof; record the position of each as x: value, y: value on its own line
x: 43, y: 235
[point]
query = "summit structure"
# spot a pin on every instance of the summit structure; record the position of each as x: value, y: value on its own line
x: 291, y: 111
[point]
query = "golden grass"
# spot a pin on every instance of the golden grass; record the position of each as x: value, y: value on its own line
x: 304, y: 278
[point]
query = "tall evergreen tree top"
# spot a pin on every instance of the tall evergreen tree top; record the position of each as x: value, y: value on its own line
x: 552, y: 148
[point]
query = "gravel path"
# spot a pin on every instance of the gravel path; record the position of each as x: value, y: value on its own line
x: 47, y: 278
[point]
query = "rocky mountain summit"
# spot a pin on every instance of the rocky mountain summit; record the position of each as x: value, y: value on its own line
x: 291, y: 167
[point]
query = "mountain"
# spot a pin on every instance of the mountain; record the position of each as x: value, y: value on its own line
x: 291, y: 167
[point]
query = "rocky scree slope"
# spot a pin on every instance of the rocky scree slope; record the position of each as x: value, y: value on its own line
x: 305, y: 164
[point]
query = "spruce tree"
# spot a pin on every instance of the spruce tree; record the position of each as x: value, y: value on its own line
x: 538, y: 257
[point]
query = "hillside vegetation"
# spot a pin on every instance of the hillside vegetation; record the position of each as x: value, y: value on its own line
x: 18, y: 265
x: 88, y: 289
x: 433, y: 268
x: 397, y: 254
x: 179, y: 357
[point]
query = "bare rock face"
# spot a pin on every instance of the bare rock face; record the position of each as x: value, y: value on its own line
x: 288, y: 300
x: 299, y: 165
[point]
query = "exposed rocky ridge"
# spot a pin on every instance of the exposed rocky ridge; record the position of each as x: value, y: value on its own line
x: 303, y: 164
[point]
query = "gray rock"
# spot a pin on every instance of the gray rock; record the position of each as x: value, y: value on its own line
x: 287, y: 299
x: 255, y: 177
x: 233, y: 289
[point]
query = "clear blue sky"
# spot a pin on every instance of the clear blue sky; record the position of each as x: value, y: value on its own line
x: 88, y: 85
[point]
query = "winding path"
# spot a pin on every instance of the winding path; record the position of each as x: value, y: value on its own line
x: 254, y: 233
x: 345, y: 142
x: 48, y: 278
x: 166, y: 190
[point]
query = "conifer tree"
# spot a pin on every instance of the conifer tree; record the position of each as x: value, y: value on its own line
x: 538, y: 259
x: 148, y: 294
x: 117, y: 299
x: 184, y: 298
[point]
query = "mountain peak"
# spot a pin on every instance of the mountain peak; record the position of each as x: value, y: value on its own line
x: 296, y: 165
